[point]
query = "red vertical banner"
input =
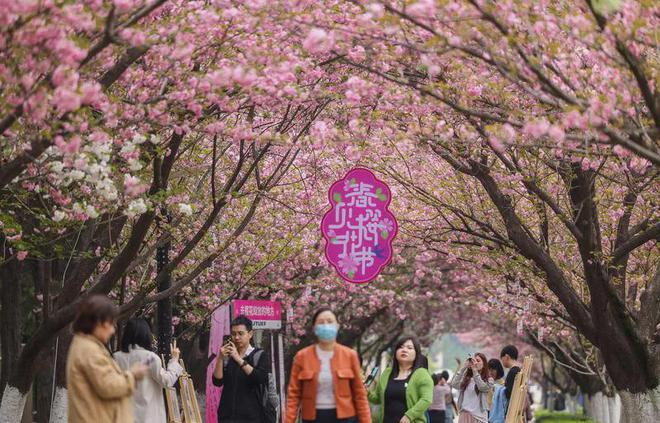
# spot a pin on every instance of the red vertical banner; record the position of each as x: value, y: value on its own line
x: 220, y: 320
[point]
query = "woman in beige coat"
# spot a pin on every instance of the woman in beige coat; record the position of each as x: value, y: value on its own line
x: 98, y: 390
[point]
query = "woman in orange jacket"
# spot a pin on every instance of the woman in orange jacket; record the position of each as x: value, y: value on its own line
x: 326, y: 379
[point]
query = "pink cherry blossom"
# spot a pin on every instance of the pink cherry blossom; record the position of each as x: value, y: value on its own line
x: 66, y: 100
x: 475, y: 90
x: 556, y: 133
x: 347, y: 264
x: 318, y: 41
x: 422, y: 9
x: 536, y: 128
x: 496, y: 144
x: 133, y: 186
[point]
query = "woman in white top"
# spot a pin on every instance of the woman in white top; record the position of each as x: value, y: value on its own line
x: 474, y: 385
x: 136, y: 346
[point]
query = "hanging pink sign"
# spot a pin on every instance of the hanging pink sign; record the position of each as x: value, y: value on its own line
x: 219, y: 326
x: 359, y: 228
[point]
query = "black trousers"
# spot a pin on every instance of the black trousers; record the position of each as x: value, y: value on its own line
x: 437, y: 416
x: 329, y: 416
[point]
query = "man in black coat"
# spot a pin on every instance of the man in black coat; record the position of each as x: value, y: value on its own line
x: 240, y: 377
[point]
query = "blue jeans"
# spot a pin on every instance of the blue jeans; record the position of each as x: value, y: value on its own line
x: 449, y: 414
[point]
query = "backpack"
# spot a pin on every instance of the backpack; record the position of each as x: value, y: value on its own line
x: 267, y: 394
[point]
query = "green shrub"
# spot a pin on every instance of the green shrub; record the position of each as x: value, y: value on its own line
x: 546, y: 416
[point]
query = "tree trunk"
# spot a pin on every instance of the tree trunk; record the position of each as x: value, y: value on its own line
x: 10, y: 315
x: 58, y: 408
x: 596, y: 407
x: 13, y: 398
x: 43, y: 387
x: 614, y: 404
x: 640, y: 407
x: 13, y: 402
x: 58, y: 413
x: 602, y: 408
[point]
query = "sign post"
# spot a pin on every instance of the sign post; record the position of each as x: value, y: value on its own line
x: 280, y: 348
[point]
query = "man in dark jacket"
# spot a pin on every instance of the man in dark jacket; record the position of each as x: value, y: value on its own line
x: 509, y: 359
x: 240, y: 377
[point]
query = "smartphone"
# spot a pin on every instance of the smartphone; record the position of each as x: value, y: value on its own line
x: 470, y: 357
x: 226, y: 339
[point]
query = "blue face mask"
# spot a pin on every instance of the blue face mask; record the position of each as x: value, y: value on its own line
x: 326, y: 331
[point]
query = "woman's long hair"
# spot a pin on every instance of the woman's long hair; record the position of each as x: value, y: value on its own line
x: 418, y: 356
x: 483, y: 373
x: 137, y: 332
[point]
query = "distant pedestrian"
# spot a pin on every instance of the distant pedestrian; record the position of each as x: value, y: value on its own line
x: 449, y: 400
x: 509, y: 358
x: 437, y: 410
x: 326, y: 379
x: 137, y: 347
x: 472, y: 381
x: 241, y: 377
x: 405, y: 389
x: 98, y: 390
x: 497, y: 403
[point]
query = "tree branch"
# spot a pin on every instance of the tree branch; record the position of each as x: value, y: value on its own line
x: 652, y: 233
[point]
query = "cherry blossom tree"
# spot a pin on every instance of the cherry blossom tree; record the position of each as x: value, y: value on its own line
x: 519, y: 140
x: 121, y: 110
x: 542, y: 115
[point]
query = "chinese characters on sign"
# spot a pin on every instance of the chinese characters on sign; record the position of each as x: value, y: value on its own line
x: 359, y: 228
x: 264, y: 314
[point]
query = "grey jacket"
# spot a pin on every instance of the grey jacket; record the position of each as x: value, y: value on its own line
x: 483, y: 387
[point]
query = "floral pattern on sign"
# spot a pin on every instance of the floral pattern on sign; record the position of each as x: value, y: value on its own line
x: 359, y: 228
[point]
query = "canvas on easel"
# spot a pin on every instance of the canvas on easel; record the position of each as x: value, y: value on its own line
x: 191, y: 412
x: 516, y: 411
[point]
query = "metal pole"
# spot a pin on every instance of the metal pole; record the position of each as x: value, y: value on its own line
x: 280, y: 346
x: 165, y: 305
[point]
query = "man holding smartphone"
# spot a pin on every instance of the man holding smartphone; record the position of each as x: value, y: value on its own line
x: 240, y: 377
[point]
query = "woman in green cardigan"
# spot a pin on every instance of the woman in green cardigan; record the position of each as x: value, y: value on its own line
x: 405, y: 389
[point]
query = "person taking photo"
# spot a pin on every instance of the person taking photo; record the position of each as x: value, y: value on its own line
x: 241, y: 378
x: 473, y: 384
